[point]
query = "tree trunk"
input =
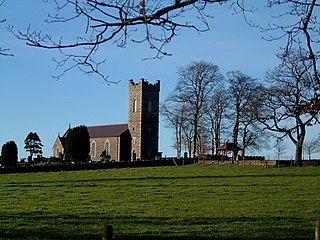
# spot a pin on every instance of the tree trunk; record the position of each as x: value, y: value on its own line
x: 217, y: 138
x: 236, y: 132
x: 195, y: 135
x: 244, y: 142
x: 298, y: 157
x: 301, y: 133
x: 178, y: 141
x: 189, y: 148
x: 213, y: 139
x: 212, y: 145
x: 243, y: 152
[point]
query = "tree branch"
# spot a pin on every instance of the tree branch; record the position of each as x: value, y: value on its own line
x: 115, y: 21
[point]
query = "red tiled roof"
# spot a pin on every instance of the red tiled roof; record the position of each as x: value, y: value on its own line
x: 113, y: 130
x: 228, y: 147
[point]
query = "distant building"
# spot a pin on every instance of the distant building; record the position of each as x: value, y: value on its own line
x: 136, y: 140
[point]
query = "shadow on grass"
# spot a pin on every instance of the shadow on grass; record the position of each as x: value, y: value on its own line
x: 40, y: 226
x: 152, y: 237
x: 47, y: 234
x: 79, y: 182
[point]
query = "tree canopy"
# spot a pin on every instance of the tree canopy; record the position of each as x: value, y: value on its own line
x: 9, y: 154
x: 33, y: 144
x: 77, y: 145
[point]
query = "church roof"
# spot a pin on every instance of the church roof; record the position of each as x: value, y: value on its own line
x: 113, y: 130
x: 62, y: 140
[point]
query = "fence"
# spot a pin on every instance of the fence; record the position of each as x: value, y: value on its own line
x: 93, y: 166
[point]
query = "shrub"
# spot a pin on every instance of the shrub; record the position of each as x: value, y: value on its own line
x: 9, y: 154
x: 77, y: 146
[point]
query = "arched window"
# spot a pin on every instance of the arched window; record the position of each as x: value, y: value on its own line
x: 93, y: 149
x: 107, y: 149
x: 135, y: 105
x: 149, y: 106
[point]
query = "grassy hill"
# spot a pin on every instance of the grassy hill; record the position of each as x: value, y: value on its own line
x: 191, y: 202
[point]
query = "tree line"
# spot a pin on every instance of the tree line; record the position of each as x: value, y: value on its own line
x: 77, y: 148
x: 206, y: 108
x: 9, y: 150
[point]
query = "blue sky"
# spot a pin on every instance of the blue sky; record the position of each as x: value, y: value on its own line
x: 33, y: 101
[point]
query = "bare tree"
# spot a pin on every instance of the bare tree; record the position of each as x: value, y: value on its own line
x: 203, y: 139
x: 312, y: 146
x: 179, y: 117
x: 117, y: 22
x: 174, y: 121
x: 301, y: 31
x: 242, y: 89
x: 217, y: 115
x: 175, y: 115
x: 253, y: 136
x: 291, y: 83
x: 280, y: 147
x: 193, y: 90
x: 252, y: 132
x: 187, y: 137
x: 297, y: 23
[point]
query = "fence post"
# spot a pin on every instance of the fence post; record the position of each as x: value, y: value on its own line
x: 107, y: 232
x: 317, y: 232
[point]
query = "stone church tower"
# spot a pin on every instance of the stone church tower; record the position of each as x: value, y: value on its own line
x: 143, y: 119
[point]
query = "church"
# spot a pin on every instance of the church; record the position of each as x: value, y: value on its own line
x: 132, y: 141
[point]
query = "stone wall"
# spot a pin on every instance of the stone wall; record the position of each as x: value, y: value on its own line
x: 267, y: 163
x: 101, y: 146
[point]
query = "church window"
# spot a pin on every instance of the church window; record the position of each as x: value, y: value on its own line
x: 135, y: 105
x: 93, y: 149
x: 107, y: 149
x: 149, y: 106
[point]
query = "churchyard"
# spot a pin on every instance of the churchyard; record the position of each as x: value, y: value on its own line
x: 186, y: 202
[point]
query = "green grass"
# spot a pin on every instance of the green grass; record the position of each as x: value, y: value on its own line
x: 191, y: 202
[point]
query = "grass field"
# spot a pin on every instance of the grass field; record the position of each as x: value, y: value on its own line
x: 191, y: 202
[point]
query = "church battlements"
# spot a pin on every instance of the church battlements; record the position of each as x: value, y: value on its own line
x: 143, y: 83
